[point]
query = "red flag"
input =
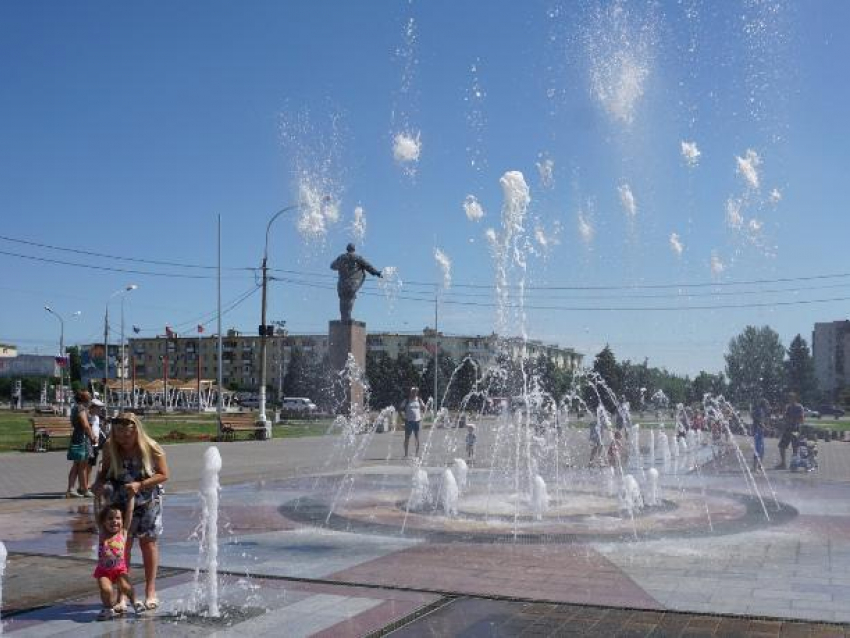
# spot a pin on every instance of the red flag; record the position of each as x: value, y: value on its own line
x: 169, y: 332
x: 200, y: 328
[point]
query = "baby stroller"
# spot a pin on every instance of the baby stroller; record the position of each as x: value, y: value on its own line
x: 806, y: 456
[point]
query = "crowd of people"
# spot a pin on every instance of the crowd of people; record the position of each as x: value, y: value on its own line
x: 130, y: 469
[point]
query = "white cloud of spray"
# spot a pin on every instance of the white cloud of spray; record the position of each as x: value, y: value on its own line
x: 775, y: 196
x: 473, y: 209
x: 316, y: 149
x: 585, y: 227
x: 676, y: 244
x: 390, y: 284
x: 546, y: 171
x: 627, y: 199
x: 445, y: 265
x: 734, y: 218
x: 358, y: 224
x: 546, y: 239
x: 717, y: 266
x: 620, y: 45
x: 319, y: 210
x: 690, y: 153
x: 407, y: 147
x: 748, y: 168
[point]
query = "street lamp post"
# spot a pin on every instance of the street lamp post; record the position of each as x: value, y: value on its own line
x: 122, y: 291
x: 264, y: 329
x: 61, y: 351
x: 123, y: 355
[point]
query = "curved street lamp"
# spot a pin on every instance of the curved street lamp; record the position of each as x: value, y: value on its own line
x: 61, y: 350
x: 122, y: 291
x: 264, y: 329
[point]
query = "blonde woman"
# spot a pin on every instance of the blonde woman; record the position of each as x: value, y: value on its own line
x: 134, y: 466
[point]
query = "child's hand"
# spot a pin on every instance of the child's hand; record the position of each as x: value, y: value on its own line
x: 133, y: 488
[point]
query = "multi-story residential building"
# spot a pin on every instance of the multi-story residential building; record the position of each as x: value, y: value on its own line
x: 91, y: 362
x: 8, y: 350
x: 191, y: 357
x: 831, y: 354
x: 29, y: 365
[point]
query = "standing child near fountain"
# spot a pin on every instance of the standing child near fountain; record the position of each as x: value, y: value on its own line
x: 112, y: 565
x: 470, y: 442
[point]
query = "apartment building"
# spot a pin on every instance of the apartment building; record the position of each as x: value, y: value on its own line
x: 831, y: 355
x: 190, y: 357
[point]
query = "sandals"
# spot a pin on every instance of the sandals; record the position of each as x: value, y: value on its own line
x: 107, y: 613
x: 151, y: 604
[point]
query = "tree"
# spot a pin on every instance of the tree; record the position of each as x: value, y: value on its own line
x: 705, y: 383
x: 800, y: 371
x: 605, y: 365
x: 447, y: 366
x: 75, y: 366
x: 390, y: 379
x: 755, y: 365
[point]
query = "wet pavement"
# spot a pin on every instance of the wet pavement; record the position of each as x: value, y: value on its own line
x: 282, y: 572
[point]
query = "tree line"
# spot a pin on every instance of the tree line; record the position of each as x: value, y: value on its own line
x: 757, y: 365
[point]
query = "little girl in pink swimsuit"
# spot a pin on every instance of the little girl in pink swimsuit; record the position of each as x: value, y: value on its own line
x: 112, y: 561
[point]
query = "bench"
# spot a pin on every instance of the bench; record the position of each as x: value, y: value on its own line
x: 233, y: 424
x: 45, y: 429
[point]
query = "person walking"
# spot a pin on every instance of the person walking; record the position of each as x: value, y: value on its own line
x: 792, y: 422
x: 134, y: 466
x: 761, y: 416
x: 412, y: 407
x: 80, y: 446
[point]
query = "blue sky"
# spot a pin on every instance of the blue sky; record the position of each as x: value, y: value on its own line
x: 126, y: 129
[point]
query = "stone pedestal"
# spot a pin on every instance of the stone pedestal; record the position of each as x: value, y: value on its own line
x: 346, y: 337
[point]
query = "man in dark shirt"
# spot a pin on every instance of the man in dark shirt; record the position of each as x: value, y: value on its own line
x: 792, y: 422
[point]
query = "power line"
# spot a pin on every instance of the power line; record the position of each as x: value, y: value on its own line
x: 414, y: 283
x: 515, y: 306
x: 90, y: 253
x: 107, y: 268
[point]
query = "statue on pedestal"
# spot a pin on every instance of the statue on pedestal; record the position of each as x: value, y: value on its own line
x: 352, y: 269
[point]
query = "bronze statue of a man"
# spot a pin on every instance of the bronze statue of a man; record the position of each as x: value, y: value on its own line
x: 351, y: 269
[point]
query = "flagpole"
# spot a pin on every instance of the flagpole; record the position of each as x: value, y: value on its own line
x: 219, y: 380
x: 198, y: 357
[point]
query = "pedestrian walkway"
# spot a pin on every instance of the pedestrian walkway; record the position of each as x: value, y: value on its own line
x: 279, y: 571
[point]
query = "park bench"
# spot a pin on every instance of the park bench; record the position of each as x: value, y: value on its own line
x: 46, y: 429
x: 233, y: 424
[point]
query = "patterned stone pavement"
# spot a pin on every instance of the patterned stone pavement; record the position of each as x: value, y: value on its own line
x: 338, y: 583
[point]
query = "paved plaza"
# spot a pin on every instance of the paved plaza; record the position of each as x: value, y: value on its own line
x: 734, y: 571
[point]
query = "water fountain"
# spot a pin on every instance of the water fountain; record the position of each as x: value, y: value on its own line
x: 461, y: 471
x: 449, y: 493
x: 208, y: 531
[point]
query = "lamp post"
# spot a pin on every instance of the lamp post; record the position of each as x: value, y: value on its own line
x: 123, y: 355
x: 124, y: 290
x: 264, y: 329
x: 61, y: 351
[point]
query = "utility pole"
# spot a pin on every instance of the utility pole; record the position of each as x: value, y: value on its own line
x: 265, y: 330
x: 436, y: 347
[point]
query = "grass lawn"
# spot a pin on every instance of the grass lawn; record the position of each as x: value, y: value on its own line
x: 16, y: 430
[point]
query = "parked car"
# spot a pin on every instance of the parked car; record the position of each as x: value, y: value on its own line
x: 831, y: 410
x: 811, y: 414
x: 298, y: 404
x: 251, y: 402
